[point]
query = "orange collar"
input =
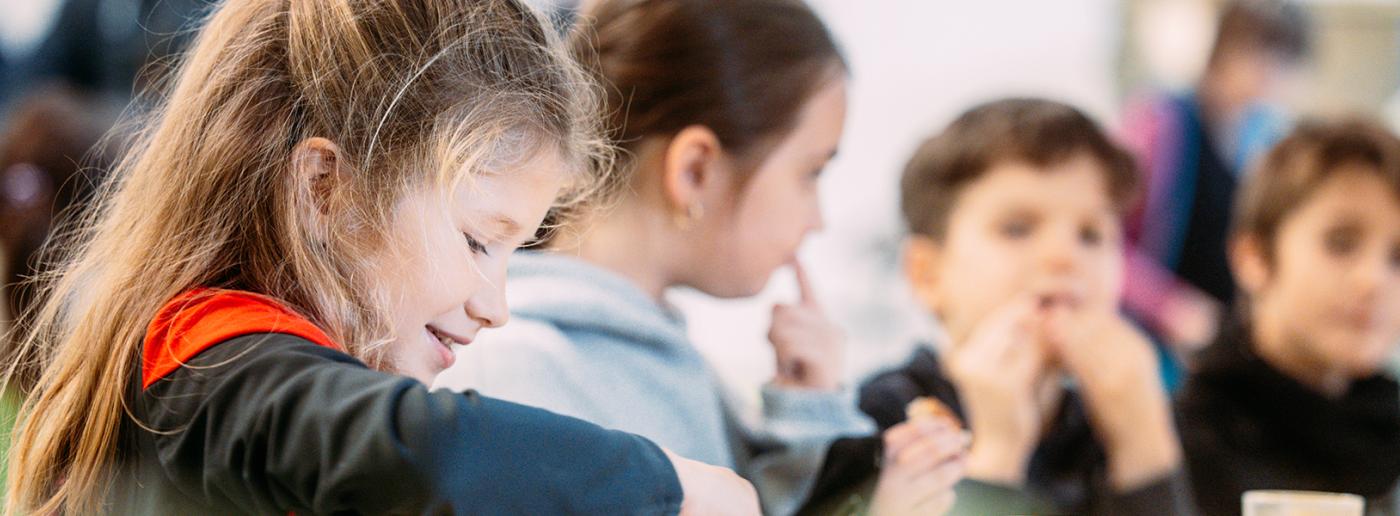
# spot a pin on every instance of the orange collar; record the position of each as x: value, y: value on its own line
x: 202, y: 317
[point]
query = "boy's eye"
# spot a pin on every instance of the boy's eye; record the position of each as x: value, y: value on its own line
x: 1340, y: 242
x: 1016, y: 229
x: 1091, y: 235
x: 475, y: 245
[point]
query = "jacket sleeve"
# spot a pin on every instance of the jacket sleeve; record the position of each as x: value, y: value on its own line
x: 847, y: 477
x: 784, y: 451
x: 851, y: 464
x: 270, y: 423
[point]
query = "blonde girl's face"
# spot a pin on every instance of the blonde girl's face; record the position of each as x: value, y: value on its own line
x: 444, y: 267
x: 1334, y: 288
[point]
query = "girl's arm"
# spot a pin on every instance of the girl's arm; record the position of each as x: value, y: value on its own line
x: 271, y: 423
x: 783, y: 454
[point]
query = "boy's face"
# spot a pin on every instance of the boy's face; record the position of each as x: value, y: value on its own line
x: 1052, y: 232
x: 1333, y: 289
x: 445, y: 267
x: 1249, y: 75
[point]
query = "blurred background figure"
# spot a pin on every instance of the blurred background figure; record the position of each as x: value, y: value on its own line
x: 67, y: 70
x: 102, y: 47
x: 46, y: 174
x: 49, y: 165
x: 1194, y: 148
x: 1292, y: 394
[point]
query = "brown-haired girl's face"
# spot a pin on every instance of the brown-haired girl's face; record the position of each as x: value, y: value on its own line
x: 1332, y: 291
x: 445, y: 264
x: 760, y: 228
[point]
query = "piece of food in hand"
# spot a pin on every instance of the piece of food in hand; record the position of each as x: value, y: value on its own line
x: 927, y: 407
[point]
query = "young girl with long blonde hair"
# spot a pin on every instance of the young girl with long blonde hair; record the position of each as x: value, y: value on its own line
x: 329, y: 191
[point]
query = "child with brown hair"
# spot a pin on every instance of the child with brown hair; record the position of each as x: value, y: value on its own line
x: 323, y: 204
x: 1016, y: 247
x: 1292, y: 395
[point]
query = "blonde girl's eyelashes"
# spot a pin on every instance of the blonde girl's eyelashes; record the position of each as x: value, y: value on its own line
x: 475, y: 245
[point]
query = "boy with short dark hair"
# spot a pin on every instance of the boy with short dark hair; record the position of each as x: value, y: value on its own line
x: 1016, y: 246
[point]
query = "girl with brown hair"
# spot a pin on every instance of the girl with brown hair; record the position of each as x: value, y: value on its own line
x: 727, y: 111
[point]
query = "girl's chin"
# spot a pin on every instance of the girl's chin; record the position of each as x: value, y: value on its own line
x: 422, y: 373
x: 424, y: 362
x: 445, y: 358
x: 752, y: 286
x: 733, y: 291
x: 441, y: 354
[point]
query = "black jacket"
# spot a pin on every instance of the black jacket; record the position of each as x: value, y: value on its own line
x: 1245, y: 425
x: 1067, y: 472
x: 271, y: 423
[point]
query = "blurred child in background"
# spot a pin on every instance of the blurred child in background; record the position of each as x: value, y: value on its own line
x: 1194, y: 149
x: 1292, y: 395
x: 1016, y: 246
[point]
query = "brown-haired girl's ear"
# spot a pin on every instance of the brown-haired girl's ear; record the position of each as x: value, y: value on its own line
x: 922, y: 258
x: 689, y: 172
x: 317, y: 165
x: 1250, y: 263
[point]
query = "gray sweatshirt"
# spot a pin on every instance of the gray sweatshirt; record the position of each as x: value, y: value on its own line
x: 585, y: 342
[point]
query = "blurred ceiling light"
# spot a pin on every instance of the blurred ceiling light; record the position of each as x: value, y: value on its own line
x: 24, y: 23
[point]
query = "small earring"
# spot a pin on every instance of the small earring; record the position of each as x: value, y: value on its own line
x: 692, y: 213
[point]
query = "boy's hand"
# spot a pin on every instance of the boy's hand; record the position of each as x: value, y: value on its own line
x: 1117, y: 372
x: 924, y: 458
x: 712, y: 490
x: 808, y: 347
x: 998, y: 371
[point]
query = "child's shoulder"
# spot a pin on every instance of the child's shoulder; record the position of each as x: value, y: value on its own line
x: 920, y: 373
x: 885, y: 395
x: 200, y: 318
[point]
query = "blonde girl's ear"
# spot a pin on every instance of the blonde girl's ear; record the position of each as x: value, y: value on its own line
x: 317, y: 166
x: 922, y: 260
